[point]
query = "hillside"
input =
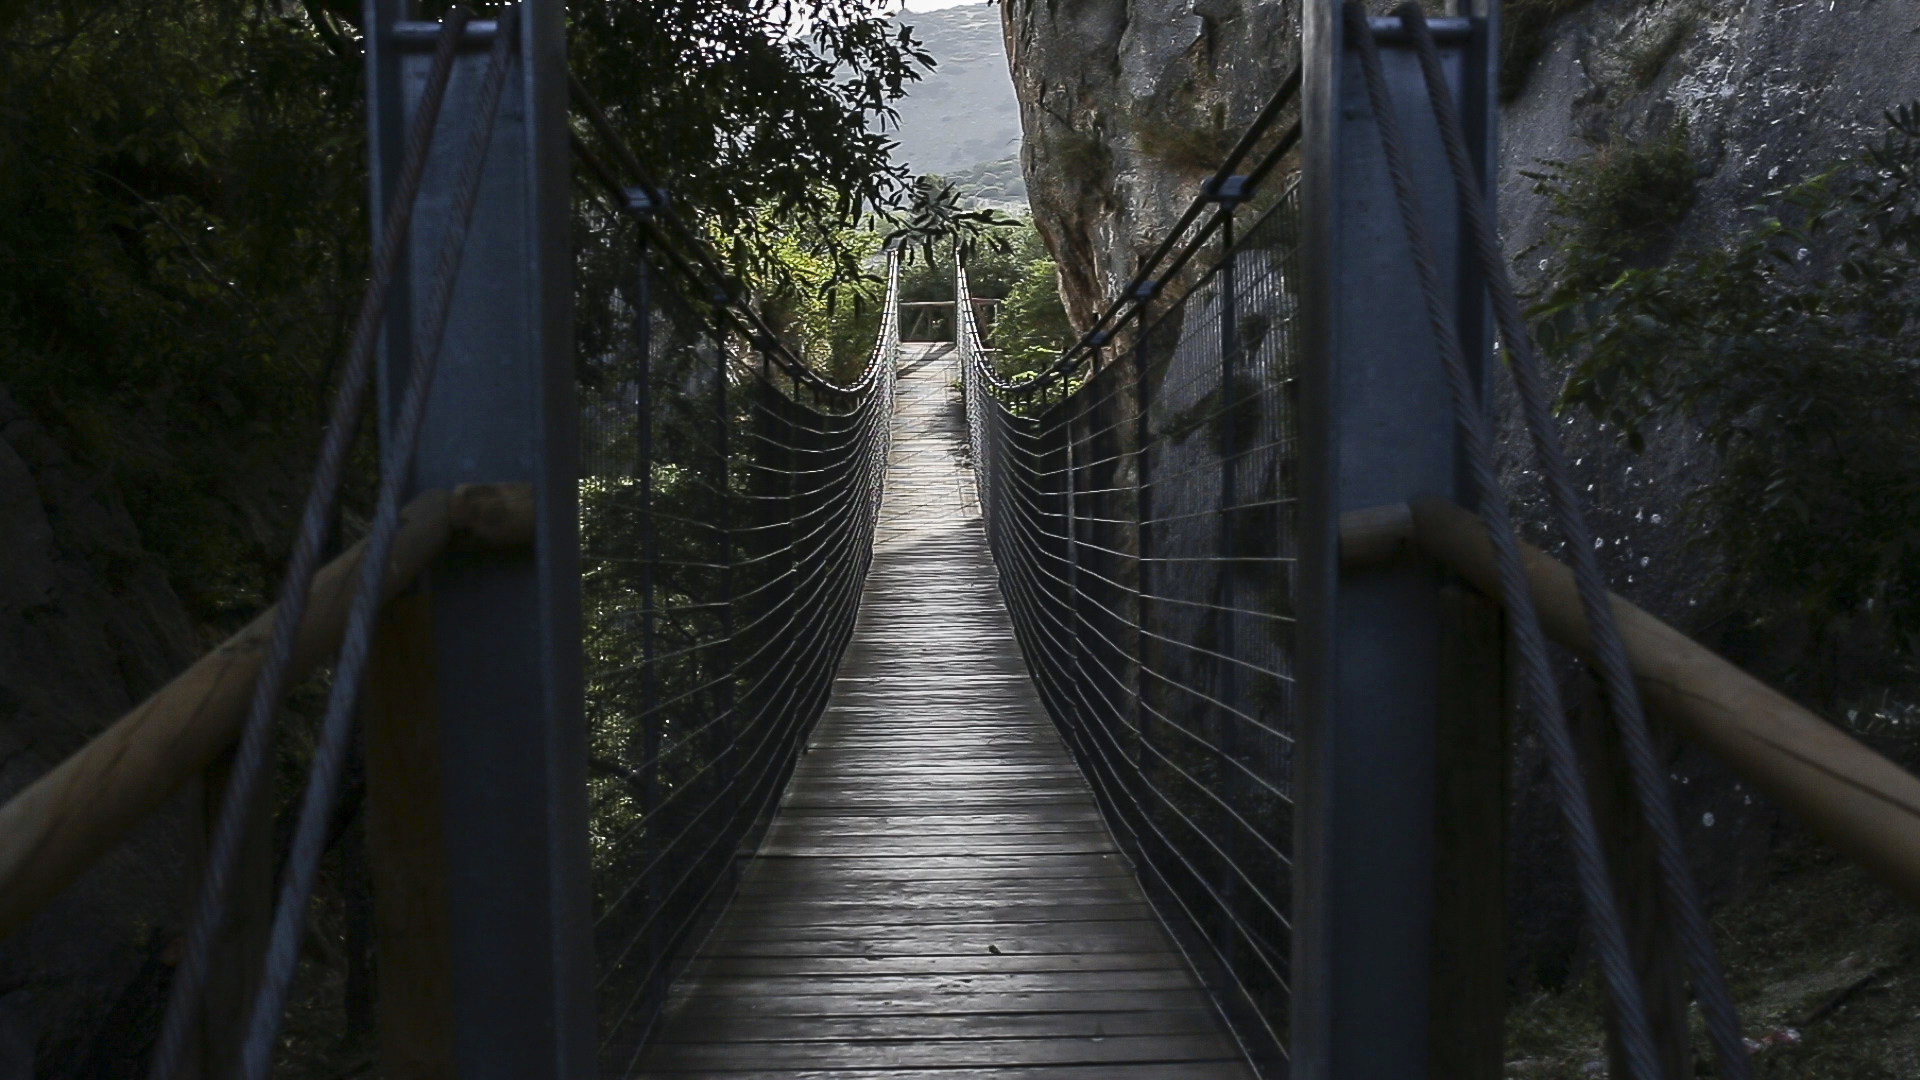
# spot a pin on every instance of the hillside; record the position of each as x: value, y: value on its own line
x: 963, y: 113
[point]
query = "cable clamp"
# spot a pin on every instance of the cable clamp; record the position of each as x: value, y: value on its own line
x: 645, y: 200
x: 1227, y: 190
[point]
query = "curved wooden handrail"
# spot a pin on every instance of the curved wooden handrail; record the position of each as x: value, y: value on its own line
x: 56, y: 827
x: 1854, y: 798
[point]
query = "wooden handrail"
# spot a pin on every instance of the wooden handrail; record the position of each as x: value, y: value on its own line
x: 59, y: 825
x: 1854, y: 798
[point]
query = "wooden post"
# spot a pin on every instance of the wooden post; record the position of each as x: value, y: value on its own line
x: 1467, y: 1036
x: 406, y: 847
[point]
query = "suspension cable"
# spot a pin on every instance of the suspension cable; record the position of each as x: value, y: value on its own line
x: 330, y: 751
x: 1474, y: 428
x: 1159, y: 711
x: 1622, y: 694
x: 185, y: 996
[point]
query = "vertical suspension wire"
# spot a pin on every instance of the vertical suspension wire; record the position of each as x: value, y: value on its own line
x: 1142, y: 548
x: 1120, y: 603
x: 1224, y: 580
x: 1543, y: 695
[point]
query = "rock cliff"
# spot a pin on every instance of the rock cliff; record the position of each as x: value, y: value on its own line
x: 1124, y: 107
x: 1127, y: 105
x: 88, y: 627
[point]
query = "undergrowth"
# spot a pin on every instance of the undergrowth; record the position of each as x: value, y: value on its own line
x: 1824, y: 964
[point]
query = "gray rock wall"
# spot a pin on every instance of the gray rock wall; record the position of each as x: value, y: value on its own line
x: 1119, y: 102
x: 1125, y: 106
x: 88, y: 627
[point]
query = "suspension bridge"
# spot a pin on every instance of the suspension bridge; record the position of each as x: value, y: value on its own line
x: 1143, y: 717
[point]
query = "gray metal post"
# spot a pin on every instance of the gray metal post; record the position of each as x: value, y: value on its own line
x: 1143, y: 547
x: 1225, y: 682
x: 1375, y: 429
x: 506, y: 627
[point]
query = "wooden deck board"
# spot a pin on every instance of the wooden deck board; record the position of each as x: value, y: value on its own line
x: 938, y: 895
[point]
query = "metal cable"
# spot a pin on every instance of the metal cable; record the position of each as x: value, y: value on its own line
x: 1610, y: 655
x: 323, y: 776
x: 1471, y: 421
x: 209, y: 916
x: 698, y: 716
x: 1188, y: 764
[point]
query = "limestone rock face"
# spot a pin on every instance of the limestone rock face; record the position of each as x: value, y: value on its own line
x: 1128, y: 104
x: 1125, y: 107
x: 88, y: 628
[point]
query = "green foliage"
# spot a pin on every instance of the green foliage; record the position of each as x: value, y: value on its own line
x: 1030, y: 330
x: 937, y: 217
x: 1792, y: 351
x: 183, y: 233
x: 751, y: 106
x: 1615, y: 207
x: 1198, y: 146
x: 180, y: 223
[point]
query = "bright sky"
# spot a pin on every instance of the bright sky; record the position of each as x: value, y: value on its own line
x: 936, y: 5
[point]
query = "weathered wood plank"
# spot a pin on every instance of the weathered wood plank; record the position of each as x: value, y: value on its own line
x: 1033, y: 1050
x: 1089, y: 1025
x: 1192, y: 1070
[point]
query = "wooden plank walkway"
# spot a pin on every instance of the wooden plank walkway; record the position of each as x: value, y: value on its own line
x: 938, y: 896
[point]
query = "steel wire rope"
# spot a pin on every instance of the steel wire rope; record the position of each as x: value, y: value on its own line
x: 693, y: 910
x: 1213, y: 701
x: 827, y: 568
x: 1210, y: 747
x: 329, y: 754
x: 1047, y: 671
x: 1622, y: 693
x: 1026, y: 606
x: 796, y: 620
x: 209, y: 914
x: 686, y: 782
x: 1543, y: 693
x: 1015, y: 516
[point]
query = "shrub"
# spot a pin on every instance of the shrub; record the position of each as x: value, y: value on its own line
x: 1792, y: 351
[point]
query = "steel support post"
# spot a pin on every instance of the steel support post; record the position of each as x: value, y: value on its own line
x: 1076, y: 699
x: 1225, y: 683
x: 1376, y: 428
x: 1142, y: 548
x: 506, y: 627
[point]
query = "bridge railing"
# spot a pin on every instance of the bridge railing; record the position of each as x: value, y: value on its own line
x: 1228, y: 523
x: 618, y: 550
x: 1143, y: 526
x: 727, y: 517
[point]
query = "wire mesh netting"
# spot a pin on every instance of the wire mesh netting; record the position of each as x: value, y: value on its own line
x: 1144, y: 530
x: 727, y: 516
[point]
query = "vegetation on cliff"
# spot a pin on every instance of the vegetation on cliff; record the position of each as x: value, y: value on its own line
x: 1789, y: 348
